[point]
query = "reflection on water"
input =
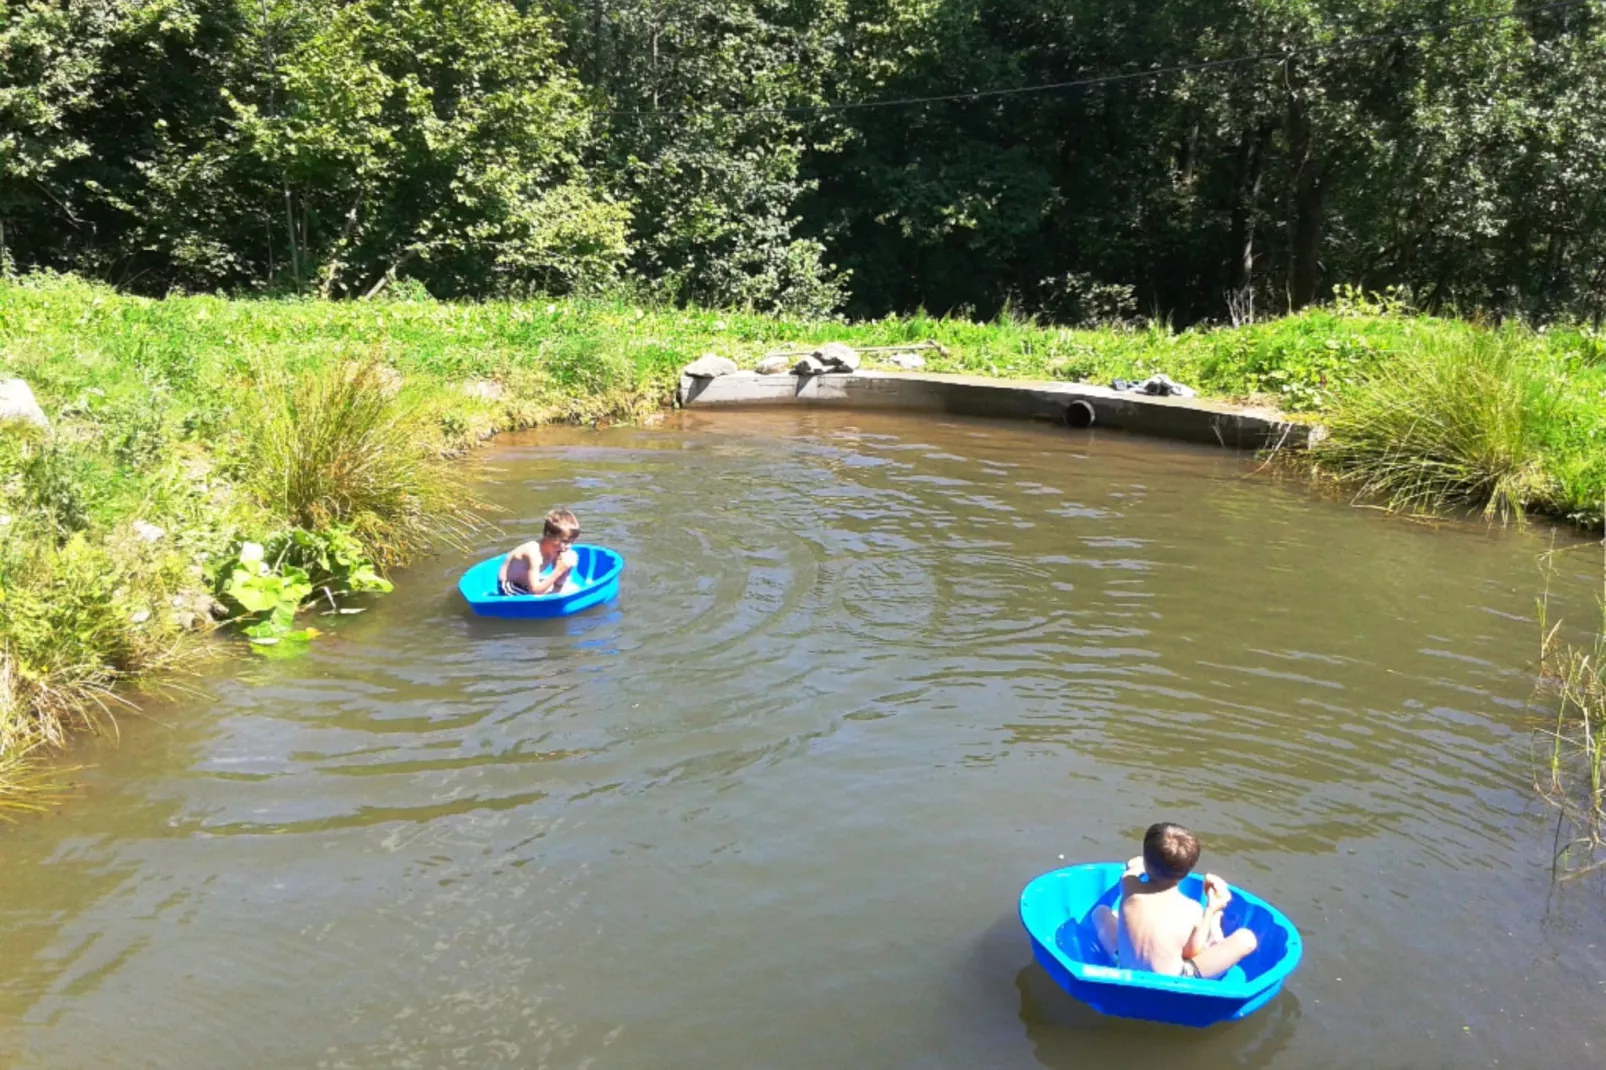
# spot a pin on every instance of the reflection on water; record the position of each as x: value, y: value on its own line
x: 868, y: 676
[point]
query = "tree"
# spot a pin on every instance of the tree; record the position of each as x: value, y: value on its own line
x: 362, y: 140
x: 715, y: 193
x: 1225, y: 158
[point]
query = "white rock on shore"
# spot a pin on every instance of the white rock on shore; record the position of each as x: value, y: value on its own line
x: 17, y: 403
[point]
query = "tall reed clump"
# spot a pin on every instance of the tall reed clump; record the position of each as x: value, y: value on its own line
x: 1573, y: 773
x: 1458, y: 420
x: 79, y: 615
x: 342, y: 446
x: 18, y: 742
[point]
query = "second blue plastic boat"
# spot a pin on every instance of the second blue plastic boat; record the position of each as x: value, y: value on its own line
x: 1057, y: 910
x: 595, y: 576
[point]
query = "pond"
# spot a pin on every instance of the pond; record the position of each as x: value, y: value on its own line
x: 869, y: 675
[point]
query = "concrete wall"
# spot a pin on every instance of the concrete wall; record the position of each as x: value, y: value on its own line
x: 1190, y: 419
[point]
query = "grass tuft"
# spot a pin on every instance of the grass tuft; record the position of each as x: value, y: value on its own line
x: 340, y: 446
x: 28, y: 784
x: 1461, y: 422
x: 1573, y: 778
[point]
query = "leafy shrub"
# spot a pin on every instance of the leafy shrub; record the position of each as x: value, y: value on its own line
x: 1305, y: 362
x: 266, y: 583
x: 58, y: 482
x: 78, y: 617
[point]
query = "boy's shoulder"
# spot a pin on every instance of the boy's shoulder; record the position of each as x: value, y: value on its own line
x: 1172, y: 898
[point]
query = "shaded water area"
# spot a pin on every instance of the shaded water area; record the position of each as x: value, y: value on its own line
x: 869, y: 674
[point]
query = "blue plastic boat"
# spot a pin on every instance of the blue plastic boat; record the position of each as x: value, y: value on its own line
x: 1057, y: 910
x: 595, y: 579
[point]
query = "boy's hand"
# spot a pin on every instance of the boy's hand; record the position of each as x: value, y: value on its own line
x: 1135, y: 867
x: 1217, y: 894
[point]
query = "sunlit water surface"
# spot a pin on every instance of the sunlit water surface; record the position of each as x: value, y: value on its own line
x: 867, y: 677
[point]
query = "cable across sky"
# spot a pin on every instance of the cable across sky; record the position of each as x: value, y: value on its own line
x: 1125, y: 76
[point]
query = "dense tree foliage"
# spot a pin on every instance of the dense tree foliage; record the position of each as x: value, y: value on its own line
x: 744, y: 152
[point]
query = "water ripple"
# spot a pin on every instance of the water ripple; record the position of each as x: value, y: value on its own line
x: 866, y: 676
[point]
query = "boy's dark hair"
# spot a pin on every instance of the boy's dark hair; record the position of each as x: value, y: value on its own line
x: 1169, y: 851
x: 560, y: 524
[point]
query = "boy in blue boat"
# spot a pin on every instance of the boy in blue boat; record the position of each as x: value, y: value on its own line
x: 543, y: 566
x: 1162, y: 930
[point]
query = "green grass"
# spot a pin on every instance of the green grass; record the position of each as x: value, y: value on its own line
x: 1488, y: 419
x: 337, y: 447
x: 310, y: 438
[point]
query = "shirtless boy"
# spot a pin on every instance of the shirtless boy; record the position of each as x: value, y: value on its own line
x: 1159, y: 928
x: 542, y: 566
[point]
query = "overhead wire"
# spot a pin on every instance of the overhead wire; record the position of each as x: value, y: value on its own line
x: 1280, y: 56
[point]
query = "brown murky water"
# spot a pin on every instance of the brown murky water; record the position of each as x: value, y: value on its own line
x: 868, y: 676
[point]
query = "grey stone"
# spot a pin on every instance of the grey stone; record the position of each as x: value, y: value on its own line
x: 17, y: 403
x: 485, y: 389
x: 773, y: 365
x: 148, y: 532
x: 907, y: 361
x: 844, y: 357
x: 708, y: 366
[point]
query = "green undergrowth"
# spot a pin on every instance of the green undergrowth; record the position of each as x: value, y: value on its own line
x: 255, y: 457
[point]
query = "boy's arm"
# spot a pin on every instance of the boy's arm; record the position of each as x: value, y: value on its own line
x: 1217, y: 896
x: 520, y: 553
x: 1199, y: 939
x: 1132, y: 879
x: 555, y: 578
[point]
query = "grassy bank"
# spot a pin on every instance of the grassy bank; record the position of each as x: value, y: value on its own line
x: 209, y: 456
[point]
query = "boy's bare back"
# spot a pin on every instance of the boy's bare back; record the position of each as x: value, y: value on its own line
x: 1159, y: 924
x: 1159, y: 928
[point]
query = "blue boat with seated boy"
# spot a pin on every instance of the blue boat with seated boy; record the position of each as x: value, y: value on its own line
x: 593, y: 580
x: 1058, y: 910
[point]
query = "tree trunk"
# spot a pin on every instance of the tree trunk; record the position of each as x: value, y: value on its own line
x: 599, y: 67
x: 290, y: 232
x: 1305, y: 212
x: 1307, y: 237
x: 1187, y: 155
x: 1252, y: 149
